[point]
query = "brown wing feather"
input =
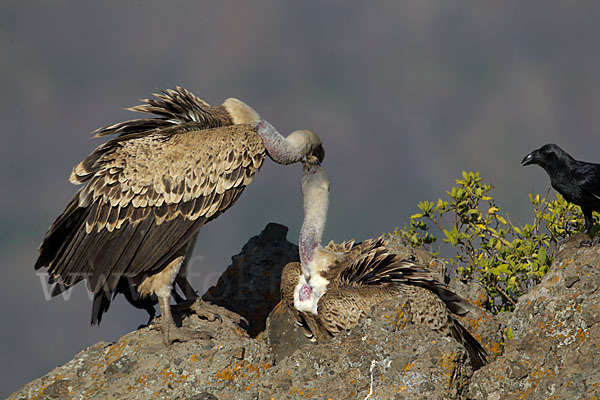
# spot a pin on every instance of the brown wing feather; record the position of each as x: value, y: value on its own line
x: 172, y: 107
x: 373, y: 263
x: 145, y: 198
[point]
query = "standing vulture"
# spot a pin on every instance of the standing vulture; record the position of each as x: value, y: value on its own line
x: 148, y: 191
x: 334, y: 286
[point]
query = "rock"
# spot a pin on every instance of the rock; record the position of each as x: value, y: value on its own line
x: 139, y: 366
x: 250, y: 285
x: 282, y: 334
x: 551, y: 345
x: 554, y: 352
x: 382, y: 357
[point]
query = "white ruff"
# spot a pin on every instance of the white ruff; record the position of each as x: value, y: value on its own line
x: 311, y: 304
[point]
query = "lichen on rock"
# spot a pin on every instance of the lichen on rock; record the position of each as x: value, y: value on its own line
x: 549, y: 347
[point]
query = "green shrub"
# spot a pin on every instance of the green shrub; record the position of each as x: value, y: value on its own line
x: 507, y: 260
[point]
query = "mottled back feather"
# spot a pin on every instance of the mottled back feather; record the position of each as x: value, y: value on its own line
x: 368, y: 274
x: 149, y: 191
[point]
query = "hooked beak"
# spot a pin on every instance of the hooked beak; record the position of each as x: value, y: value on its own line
x: 531, y: 158
x: 311, y: 160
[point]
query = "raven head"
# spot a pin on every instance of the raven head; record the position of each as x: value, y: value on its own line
x: 548, y: 154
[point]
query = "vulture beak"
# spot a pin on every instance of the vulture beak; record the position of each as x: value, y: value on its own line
x: 531, y: 158
x: 309, y: 162
x: 319, y: 152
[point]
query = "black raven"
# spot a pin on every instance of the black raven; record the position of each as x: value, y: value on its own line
x: 577, y: 181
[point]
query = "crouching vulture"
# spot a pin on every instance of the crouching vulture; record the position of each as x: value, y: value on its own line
x: 148, y: 191
x: 334, y: 286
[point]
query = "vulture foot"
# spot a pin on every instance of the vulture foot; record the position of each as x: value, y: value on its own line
x: 209, y: 311
x: 173, y: 333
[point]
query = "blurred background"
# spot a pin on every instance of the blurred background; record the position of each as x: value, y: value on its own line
x: 405, y: 95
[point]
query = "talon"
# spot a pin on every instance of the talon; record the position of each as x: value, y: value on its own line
x: 177, y: 334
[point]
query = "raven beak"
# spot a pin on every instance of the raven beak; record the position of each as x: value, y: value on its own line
x: 530, y: 158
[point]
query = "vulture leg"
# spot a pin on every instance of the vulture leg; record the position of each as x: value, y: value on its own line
x: 193, y: 303
x: 161, y: 284
x: 172, y: 332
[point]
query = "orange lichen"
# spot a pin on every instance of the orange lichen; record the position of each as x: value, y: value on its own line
x: 194, y: 358
x: 400, y: 388
x: 171, y: 377
x: 495, y: 348
x: 41, y: 390
x: 141, y: 379
x: 114, y: 352
x: 474, y: 324
x: 581, y: 335
x: 304, y: 393
x: 535, y: 378
x: 240, y: 369
x: 407, y: 368
x: 448, y: 362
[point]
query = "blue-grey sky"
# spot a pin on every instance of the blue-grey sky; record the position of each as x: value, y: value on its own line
x: 405, y: 95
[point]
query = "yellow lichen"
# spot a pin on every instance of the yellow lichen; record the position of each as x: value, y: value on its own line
x: 495, y: 348
x: 141, y: 379
x: 448, y: 364
x: 301, y: 392
x: 407, y: 368
x: 240, y: 369
x: 534, y: 379
x: 171, y: 377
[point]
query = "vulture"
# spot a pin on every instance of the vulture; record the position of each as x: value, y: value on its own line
x: 147, y: 192
x: 332, y: 287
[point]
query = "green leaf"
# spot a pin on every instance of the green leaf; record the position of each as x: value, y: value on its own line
x: 509, y: 333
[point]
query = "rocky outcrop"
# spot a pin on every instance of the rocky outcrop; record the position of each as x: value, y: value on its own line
x: 250, y: 285
x: 554, y: 352
x: 382, y: 358
x: 548, y: 348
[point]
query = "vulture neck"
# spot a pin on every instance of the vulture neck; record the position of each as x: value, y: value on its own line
x: 284, y: 150
x: 315, y: 195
